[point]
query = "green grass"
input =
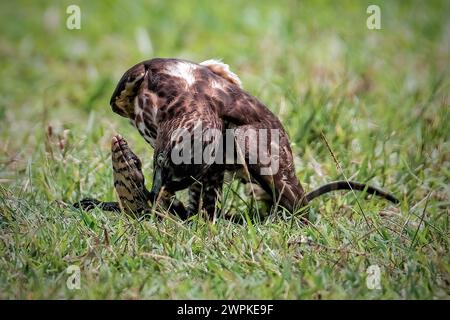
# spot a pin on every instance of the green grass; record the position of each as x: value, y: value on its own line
x: 381, y: 98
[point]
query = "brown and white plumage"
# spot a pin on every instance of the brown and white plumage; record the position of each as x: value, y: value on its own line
x: 170, y: 93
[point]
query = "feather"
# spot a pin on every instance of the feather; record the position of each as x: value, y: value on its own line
x: 222, y: 70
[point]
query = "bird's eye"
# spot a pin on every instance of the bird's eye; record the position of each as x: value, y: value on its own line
x: 160, y: 160
x: 138, y: 163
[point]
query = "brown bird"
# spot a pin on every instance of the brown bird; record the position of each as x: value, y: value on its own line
x: 161, y: 96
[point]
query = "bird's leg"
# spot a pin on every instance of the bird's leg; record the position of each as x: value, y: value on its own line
x: 212, y: 190
x: 205, y: 194
x: 195, y: 193
x: 173, y: 205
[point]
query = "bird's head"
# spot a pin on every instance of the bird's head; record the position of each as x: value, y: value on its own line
x: 122, y: 99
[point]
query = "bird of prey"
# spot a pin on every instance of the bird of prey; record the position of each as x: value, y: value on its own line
x: 162, y: 95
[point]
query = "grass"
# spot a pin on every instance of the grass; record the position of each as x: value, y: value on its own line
x: 380, y: 97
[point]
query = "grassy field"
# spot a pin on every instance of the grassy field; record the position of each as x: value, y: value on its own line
x: 381, y: 98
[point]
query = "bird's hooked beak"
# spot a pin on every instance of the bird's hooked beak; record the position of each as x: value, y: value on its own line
x: 157, y: 185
